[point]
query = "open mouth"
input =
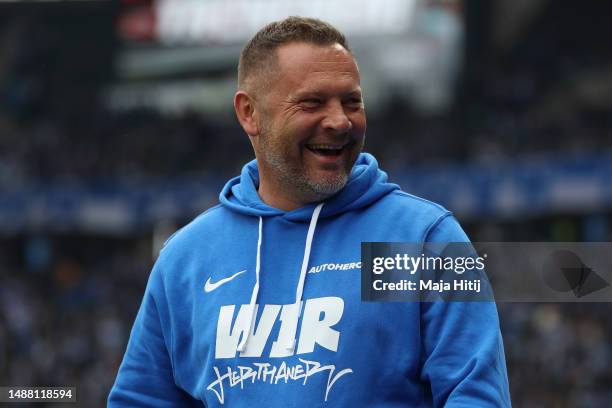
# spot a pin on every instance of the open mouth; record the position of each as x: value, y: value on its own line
x: 326, y: 149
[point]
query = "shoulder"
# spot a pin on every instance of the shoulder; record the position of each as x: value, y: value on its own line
x: 421, y: 219
x: 413, y: 206
x: 406, y: 199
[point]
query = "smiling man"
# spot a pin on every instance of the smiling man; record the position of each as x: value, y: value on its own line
x: 307, y: 126
x: 256, y: 303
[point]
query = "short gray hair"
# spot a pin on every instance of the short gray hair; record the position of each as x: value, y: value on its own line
x: 258, y: 55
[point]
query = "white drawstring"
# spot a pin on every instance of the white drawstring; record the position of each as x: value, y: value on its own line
x: 252, y: 309
x: 300, y: 287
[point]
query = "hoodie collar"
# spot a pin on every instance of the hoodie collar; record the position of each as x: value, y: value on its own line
x: 366, y: 184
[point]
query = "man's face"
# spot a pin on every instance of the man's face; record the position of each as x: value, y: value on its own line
x: 311, y: 122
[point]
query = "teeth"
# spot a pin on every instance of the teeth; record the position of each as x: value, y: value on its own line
x: 325, y: 147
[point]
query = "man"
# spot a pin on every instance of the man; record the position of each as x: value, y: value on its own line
x: 257, y: 301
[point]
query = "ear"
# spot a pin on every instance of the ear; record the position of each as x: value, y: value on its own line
x: 245, y: 111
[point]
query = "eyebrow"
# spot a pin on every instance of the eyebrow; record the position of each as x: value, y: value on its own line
x: 318, y: 94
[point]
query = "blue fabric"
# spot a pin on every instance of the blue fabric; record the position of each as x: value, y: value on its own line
x: 348, y: 353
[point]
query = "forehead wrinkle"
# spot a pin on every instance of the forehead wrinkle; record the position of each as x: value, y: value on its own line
x: 348, y: 64
x: 333, y: 62
x: 342, y: 79
x: 327, y: 76
x: 342, y: 68
x: 323, y: 72
x: 324, y: 56
x: 333, y: 68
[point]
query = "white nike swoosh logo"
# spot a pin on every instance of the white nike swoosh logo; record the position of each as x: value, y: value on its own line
x: 209, y: 287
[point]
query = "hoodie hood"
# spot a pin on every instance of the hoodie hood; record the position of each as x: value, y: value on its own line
x: 366, y: 184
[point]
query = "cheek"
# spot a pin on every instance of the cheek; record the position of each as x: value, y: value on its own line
x: 284, y: 142
x: 358, y: 120
x: 299, y: 129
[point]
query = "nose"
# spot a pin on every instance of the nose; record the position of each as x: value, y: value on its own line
x: 336, y: 120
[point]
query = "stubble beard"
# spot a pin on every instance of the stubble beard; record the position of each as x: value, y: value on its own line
x: 293, y: 177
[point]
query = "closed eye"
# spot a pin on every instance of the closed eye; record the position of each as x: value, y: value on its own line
x: 311, y: 102
x: 354, y: 102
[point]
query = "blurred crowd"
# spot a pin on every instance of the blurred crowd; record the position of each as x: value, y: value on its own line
x: 134, y: 146
x: 558, y: 355
x: 66, y: 309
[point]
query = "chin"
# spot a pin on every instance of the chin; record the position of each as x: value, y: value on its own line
x: 326, y: 187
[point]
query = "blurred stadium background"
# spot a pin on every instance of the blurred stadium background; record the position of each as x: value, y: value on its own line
x: 116, y: 128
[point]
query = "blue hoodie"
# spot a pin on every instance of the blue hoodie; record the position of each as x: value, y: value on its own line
x: 251, y: 306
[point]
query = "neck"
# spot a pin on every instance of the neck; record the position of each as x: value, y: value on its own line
x: 277, y: 199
